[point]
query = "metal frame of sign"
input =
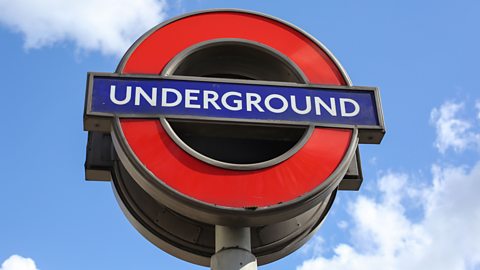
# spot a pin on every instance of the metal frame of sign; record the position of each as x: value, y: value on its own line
x: 94, y: 121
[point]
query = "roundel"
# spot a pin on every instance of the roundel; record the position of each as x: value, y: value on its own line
x: 302, y: 167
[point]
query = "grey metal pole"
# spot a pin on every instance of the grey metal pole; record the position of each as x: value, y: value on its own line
x: 233, y: 249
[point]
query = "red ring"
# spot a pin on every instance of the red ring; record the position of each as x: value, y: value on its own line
x: 296, y: 176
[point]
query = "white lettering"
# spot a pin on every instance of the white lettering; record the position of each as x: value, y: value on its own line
x: 237, y: 102
x: 140, y: 92
x: 332, y: 109
x: 308, y: 102
x: 165, y: 102
x: 281, y: 98
x: 189, y: 98
x: 127, y: 98
x: 343, y: 109
x: 253, y: 99
x: 210, y: 97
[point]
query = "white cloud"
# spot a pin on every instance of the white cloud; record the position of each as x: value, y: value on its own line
x: 444, y: 234
x: 16, y: 262
x: 109, y: 26
x: 453, y: 131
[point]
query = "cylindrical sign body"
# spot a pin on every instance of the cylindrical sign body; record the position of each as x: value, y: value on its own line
x: 227, y: 118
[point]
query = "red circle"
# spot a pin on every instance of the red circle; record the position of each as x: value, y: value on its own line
x: 286, y: 181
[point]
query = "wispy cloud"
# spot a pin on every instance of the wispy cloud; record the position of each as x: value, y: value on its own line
x: 453, y: 131
x: 109, y: 26
x: 16, y: 262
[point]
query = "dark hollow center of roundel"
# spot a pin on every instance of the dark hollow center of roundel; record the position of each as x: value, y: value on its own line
x: 237, y: 143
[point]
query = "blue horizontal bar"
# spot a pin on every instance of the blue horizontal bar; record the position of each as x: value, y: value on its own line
x: 133, y: 96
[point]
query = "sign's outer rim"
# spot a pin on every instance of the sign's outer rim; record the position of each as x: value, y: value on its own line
x: 225, y: 215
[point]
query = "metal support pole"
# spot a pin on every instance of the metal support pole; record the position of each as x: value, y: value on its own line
x: 233, y: 249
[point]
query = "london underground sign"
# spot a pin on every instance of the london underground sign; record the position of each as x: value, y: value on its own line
x: 230, y: 118
x: 229, y: 100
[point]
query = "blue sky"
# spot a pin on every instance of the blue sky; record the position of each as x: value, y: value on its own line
x: 418, y: 207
